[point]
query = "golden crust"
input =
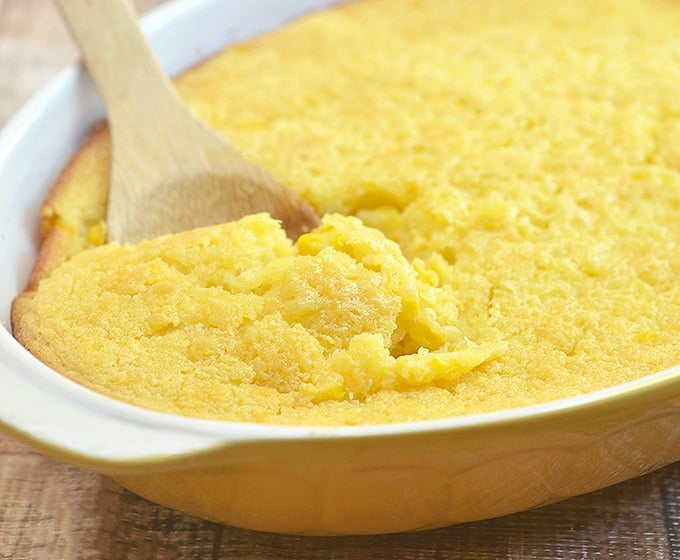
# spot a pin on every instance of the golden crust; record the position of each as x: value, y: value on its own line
x: 59, y: 239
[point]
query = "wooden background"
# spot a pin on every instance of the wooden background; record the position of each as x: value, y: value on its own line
x: 52, y: 511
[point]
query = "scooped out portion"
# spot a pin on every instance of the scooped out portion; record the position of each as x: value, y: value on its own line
x: 236, y: 322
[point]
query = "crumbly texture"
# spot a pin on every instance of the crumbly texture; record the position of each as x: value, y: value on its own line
x: 501, y: 180
x: 234, y: 321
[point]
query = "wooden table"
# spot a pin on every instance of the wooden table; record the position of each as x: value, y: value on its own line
x: 49, y: 510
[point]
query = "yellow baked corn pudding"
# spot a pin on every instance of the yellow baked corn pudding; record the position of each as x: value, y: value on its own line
x: 499, y: 186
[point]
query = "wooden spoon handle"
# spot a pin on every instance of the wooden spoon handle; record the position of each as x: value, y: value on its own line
x: 134, y: 87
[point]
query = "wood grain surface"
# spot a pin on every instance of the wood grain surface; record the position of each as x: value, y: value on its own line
x: 52, y: 511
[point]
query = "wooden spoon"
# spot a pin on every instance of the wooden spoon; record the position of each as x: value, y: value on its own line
x: 170, y: 172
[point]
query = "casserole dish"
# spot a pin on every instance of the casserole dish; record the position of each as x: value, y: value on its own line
x: 305, y: 480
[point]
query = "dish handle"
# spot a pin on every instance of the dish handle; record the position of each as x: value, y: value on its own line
x: 63, y: 419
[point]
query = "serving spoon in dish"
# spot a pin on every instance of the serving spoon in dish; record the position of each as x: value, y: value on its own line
x: 170, y: 172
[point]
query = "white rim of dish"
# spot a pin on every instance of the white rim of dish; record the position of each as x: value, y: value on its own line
x: 69, y: 419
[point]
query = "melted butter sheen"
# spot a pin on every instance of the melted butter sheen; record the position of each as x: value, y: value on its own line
x: 502, y: 186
